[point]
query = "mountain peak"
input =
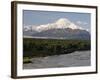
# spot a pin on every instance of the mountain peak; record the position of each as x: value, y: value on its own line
x: 62, y: 20
x: 63, y: 23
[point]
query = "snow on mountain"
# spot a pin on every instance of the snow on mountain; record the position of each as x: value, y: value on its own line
x: 60, y: 29
x: 59, y: 24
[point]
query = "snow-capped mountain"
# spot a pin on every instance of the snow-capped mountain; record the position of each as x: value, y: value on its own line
x: 59, y: 24
x: 62, y: 28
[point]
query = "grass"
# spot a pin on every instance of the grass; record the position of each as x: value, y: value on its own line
x: 26, y: 60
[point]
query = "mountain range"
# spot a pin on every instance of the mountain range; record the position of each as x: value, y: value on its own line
x: 60, y: 29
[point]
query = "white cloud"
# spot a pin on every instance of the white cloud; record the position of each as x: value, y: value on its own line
x: 81, y: 23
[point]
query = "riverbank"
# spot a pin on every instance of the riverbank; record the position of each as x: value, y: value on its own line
x: 77, y: 58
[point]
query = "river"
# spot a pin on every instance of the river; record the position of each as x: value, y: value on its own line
x: 77, y: 58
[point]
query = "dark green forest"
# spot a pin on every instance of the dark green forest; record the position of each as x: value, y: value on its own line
x: 47, y: 47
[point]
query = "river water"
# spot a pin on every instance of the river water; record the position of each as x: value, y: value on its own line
x: 78, y: 58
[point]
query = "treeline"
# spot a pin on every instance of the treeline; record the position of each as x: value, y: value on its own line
x: 44, y: 47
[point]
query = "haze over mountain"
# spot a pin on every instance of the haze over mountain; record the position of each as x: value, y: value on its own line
x: 60, y: 29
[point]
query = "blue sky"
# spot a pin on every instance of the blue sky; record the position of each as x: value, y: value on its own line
x: 31, y: 17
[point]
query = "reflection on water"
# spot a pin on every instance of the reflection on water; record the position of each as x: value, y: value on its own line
x: 78, y: 58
